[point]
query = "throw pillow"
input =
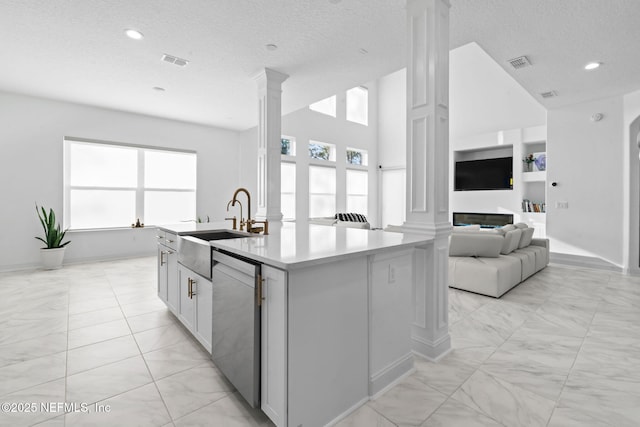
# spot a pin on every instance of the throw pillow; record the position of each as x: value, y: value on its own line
x: 520, y: 225
x: 527, y: 236
x: 498, y: 231
x: 511, y: 241
x: 475, y: 245
x: 508, y: 227
x: 514, y: 242
x: 351, y: 217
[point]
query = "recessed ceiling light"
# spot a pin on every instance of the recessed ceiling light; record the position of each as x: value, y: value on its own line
x: 271, y: 46
x: 592, y: 65
x: 158, y: 89
x: 133, y: 34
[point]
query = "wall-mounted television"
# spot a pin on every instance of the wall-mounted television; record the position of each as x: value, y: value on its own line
x: 485, y: 174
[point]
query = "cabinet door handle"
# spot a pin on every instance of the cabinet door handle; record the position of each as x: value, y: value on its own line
x: 170, y: 252
x: 169, y: 240
x: 259, y: 282
x: 162, y: 261
x: 189, y: 287
x: 193, y: 282
x: 159, y: 237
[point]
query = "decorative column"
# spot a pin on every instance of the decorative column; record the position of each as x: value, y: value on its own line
x: 427, y: 201
x: 269, y: 134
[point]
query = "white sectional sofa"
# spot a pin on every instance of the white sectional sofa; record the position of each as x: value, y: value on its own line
x: 492, y: 261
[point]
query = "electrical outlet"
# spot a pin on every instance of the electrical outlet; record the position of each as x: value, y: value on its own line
x: 562, y: 205
x: 392, y: 274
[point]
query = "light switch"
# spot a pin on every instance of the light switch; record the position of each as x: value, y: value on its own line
x: 562, y: 205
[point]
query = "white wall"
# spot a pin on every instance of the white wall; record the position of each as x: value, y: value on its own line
x: 31, y: 143
x: 392, y: 119
x: 484, y: 98
x: 631, y: 184
x: 585, y: 158
x: 305, y: 125
x: 487, y: 108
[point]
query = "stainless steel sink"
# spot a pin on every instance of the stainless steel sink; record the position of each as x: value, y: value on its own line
x: 218, y: 235
x: 194, y: 251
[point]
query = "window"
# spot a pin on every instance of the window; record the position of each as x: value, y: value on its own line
x: 322, y: 151
x: 357, y: 191
x: 358, y: 105
x: 356, y: 156
x: 288, y: 146
x: 288, y: 190
x: 322, y: 191
x: 326, y: 106
x: 108, y: 185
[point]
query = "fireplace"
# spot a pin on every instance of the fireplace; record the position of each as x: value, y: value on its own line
x: 486, y: 220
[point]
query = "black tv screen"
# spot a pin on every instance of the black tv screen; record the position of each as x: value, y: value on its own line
x: 486, y: 174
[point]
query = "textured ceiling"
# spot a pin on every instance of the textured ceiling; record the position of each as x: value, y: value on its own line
x: 75, y: 50
x: 559, y: 37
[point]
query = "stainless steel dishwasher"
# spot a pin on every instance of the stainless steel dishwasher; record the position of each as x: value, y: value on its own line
x: 236, y: 322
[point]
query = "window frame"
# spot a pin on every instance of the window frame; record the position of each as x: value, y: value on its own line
x: 295, y: 185
x: 356, y: 168
x: 335, y: 188
x: 332, y: 151
x: 139, y: 189
x: 365, y: 90
x: 333, y: 113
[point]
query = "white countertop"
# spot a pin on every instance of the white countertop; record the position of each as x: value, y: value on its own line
x: 190, y: 227
x: 297, y: 245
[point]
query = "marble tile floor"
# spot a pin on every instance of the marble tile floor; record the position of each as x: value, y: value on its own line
x: 560, y: 349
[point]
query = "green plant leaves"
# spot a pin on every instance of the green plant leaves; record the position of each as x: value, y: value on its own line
x: 53, y: 234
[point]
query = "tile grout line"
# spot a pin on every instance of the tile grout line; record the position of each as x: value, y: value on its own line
x: 142, y: 356
x: 555, y: 406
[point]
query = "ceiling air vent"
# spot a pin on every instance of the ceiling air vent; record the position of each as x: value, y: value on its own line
x: 550, y: 94
x: 174, y: 60
x: 520, y: 62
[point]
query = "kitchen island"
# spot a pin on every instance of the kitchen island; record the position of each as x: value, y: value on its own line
x: 336, y: 310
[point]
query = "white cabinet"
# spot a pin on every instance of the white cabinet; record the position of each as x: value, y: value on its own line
x: 195, y: 304
x: 172, y: 281
x: 204, y: 312
x: 168, y: 269
x: 390, y: 354
x: 274, y: 345
x: 162, y: 273
x: 187, y: 305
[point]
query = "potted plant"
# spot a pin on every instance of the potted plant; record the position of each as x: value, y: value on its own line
x: 528, y: 161
x: 53, y: 254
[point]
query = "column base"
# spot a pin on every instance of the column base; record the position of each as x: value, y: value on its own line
x: 432, y: 351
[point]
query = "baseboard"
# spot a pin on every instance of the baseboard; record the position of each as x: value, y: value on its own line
x: 348, y: 412
x: 389, y: 374
x: 38, y: 266
x: 584, y: 261
x: 432, y: 351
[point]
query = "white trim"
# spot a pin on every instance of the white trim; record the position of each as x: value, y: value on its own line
x: 584, y: 261
x: 348, y: 412
x: 129, y: 145
x: 390, y: 375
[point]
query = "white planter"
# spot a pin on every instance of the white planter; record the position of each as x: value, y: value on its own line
x: 52, y: 258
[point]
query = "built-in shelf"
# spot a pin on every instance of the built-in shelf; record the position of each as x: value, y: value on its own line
x: 534, y: 184
x: 538, y: 176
